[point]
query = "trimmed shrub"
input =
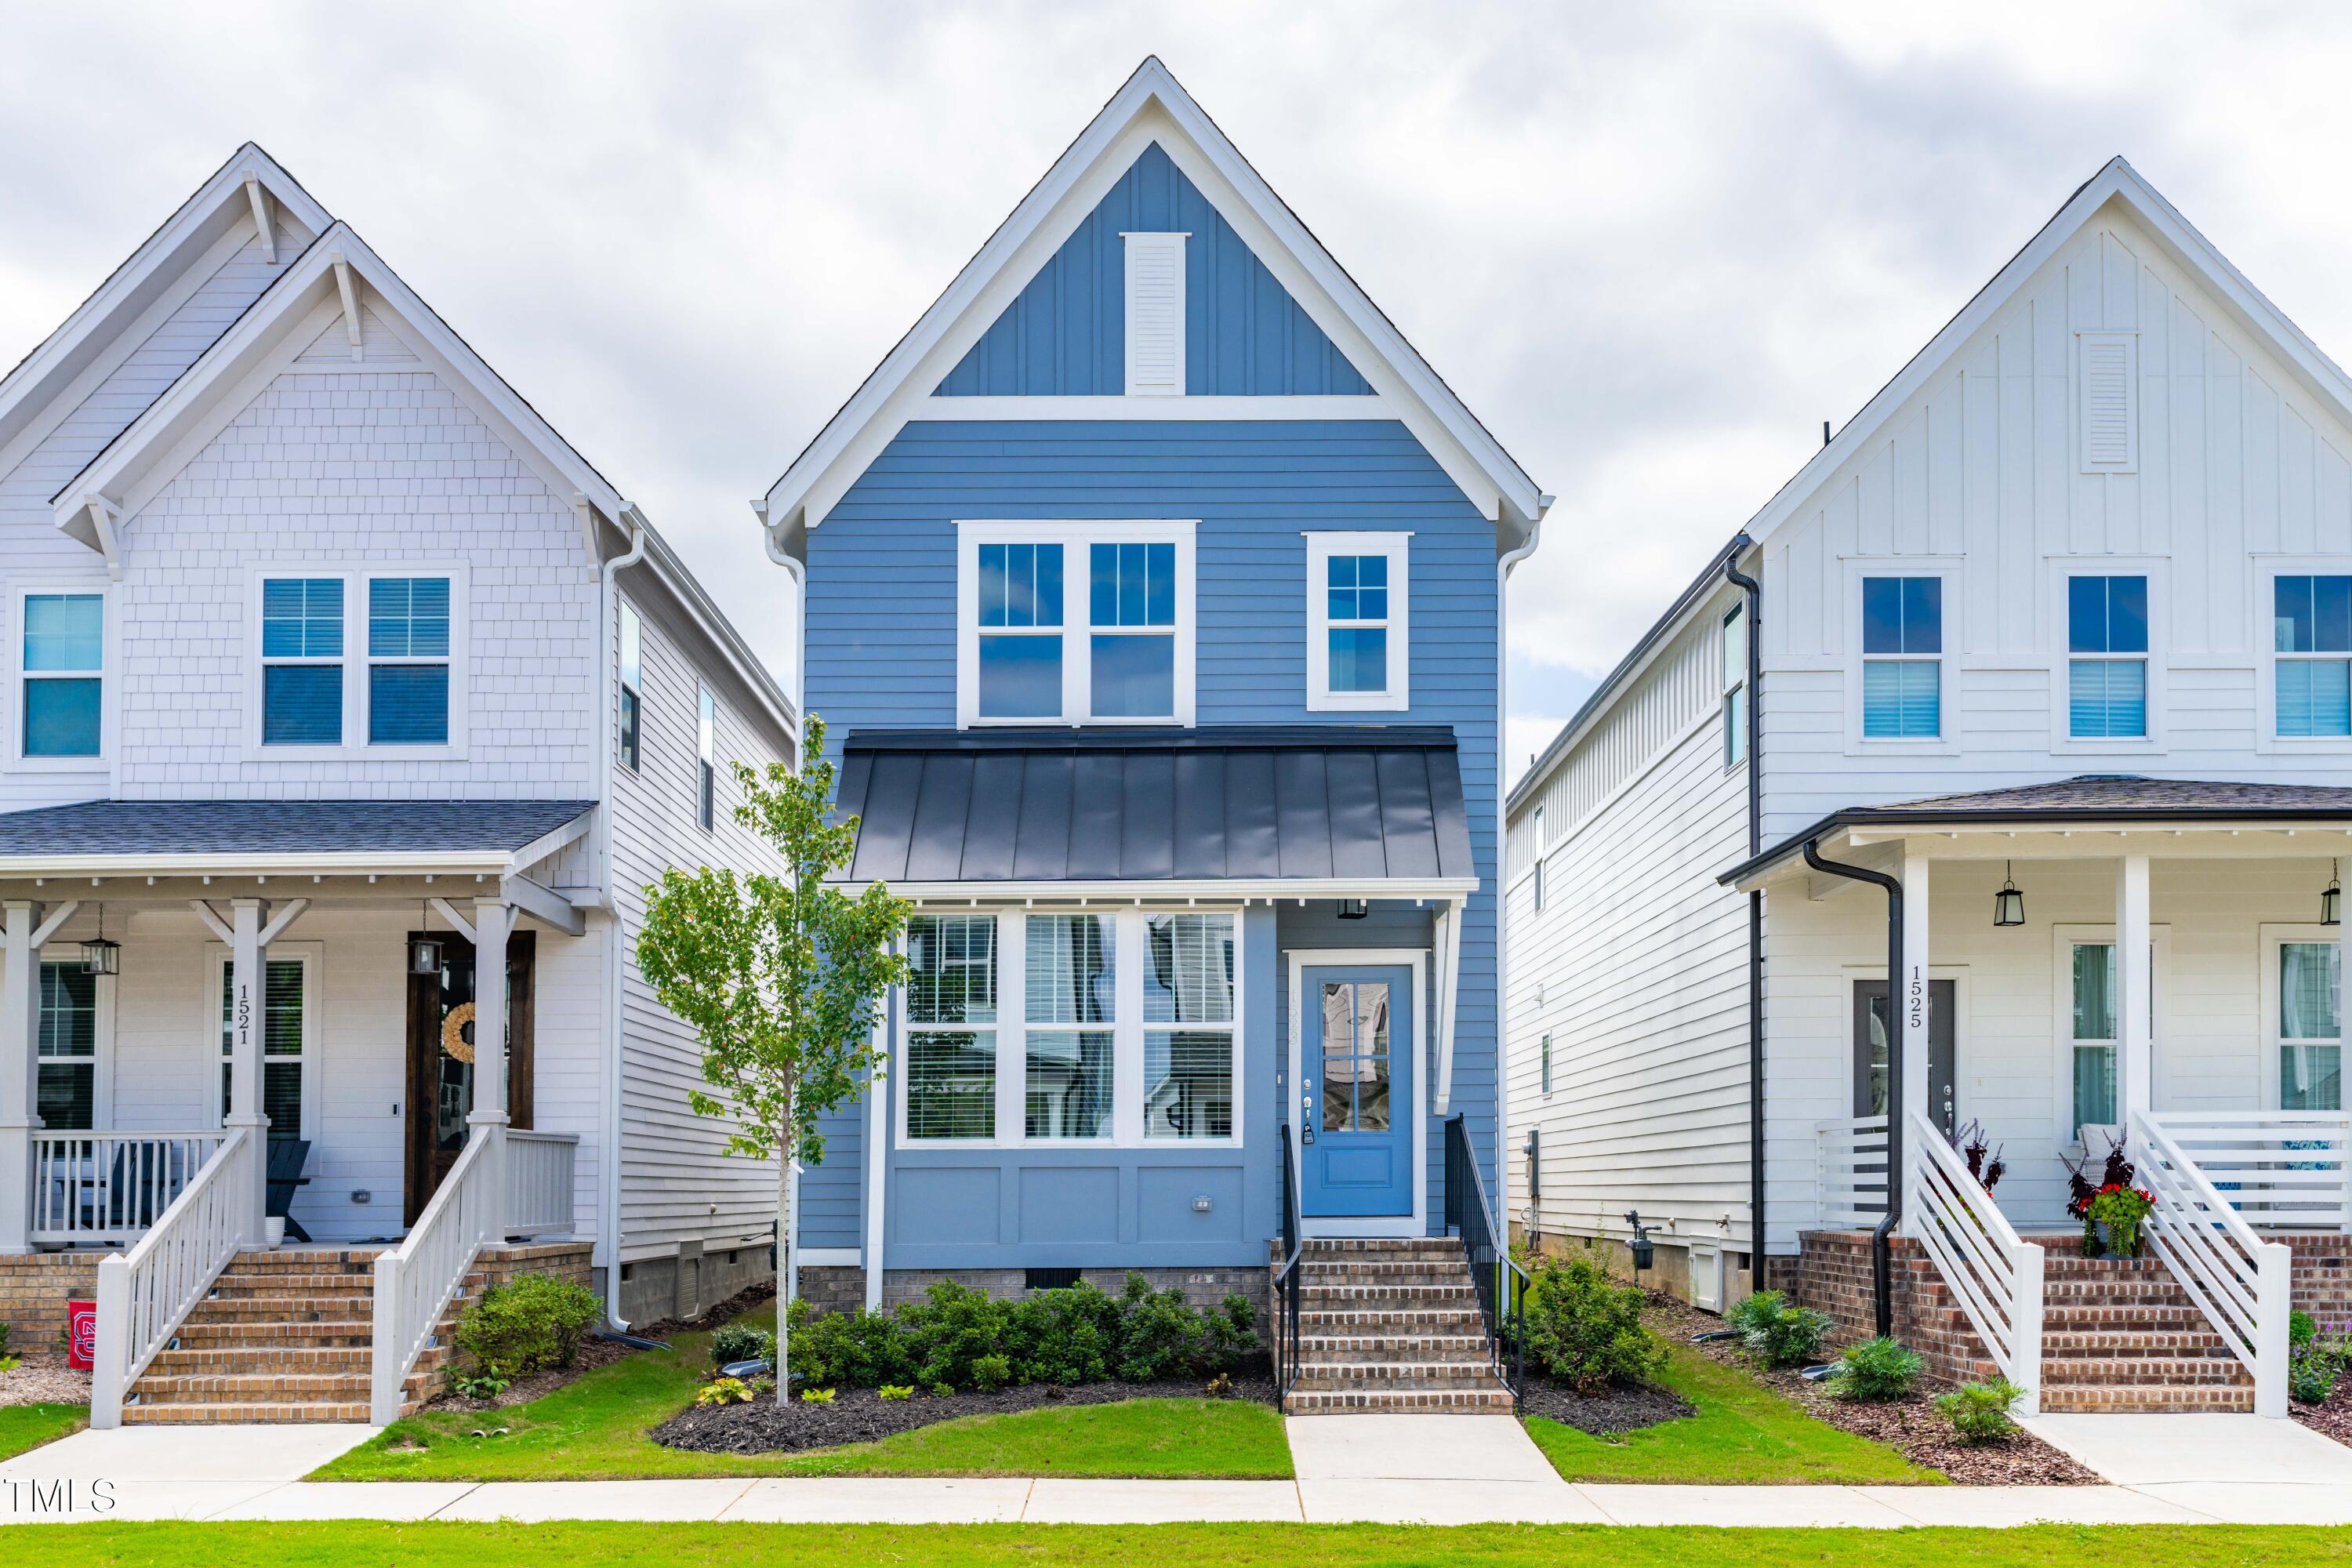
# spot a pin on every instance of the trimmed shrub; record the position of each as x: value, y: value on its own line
x: 1876, y: 1369
x: 1777, y: 1333
x: 1065, y: 1336
x: 1979, y: 1412
x: 741, y: 1341
x: 530, y: 1323
x: 1585, y: 1330
x: 867, y: 1349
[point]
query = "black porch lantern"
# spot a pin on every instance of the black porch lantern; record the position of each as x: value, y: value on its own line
x: 1355, y: 909
x: 99, y: 956
x: 423, y: 948
x: 1646, y: 1251
x: 2331, y: 899
x: 2009, y: 904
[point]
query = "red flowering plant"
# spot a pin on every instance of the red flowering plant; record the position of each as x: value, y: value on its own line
x: 2081, y: 1189
x: 2122, y: 1210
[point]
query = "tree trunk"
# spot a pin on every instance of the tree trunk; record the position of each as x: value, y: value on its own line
x: 787, y: 1252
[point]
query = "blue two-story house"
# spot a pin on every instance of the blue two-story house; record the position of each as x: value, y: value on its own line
x: 1152, y: 592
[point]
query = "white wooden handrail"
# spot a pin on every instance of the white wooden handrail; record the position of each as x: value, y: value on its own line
x: 2240, y: 1282
x: 416, y: 1281
x: 2282, y: 1170
x: 110, y: 1187
x: 144, y: 1294
x: 539, y: 1172
x: 1852, y: 1172
x: 1996, y: 1275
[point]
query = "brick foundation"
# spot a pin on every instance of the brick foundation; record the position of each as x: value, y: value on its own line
x: 838, y: 1289
x: 33, y: 1290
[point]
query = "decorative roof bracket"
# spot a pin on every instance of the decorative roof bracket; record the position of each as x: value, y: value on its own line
x: 262, y: 222
x: 350, y: 299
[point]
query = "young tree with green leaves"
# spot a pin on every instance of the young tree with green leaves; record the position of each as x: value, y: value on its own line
x: 781, y: 976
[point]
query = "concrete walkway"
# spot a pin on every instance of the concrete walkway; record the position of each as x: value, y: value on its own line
x: 1401, y: 1469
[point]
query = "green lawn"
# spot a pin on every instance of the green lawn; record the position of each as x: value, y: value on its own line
x: 1743, y: 1433
x: 24, y: 1427
x: 1228, y: 1546
x: 597, y: 1428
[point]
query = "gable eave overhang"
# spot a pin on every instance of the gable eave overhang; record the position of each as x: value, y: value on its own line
x: 1150, y: 107
x: 167, y: 265
x: 2117, y: 182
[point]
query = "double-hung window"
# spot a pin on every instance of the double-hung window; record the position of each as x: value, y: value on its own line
x: 1069, y: 1026
x: 64, y: 655
x: 950, y: 1063
x: 408, y: 661
x: 1075, y: 622
x: 2096, y: 1018
x: 633, y: 686
x: 1902, y: 659
x: 2311, y: 1026
x: 706, y: 758
x: 2311, y: 618
x: 285, y: 1041
x: 1357, y: 651
x: 2107, y: 692
x: 302, y: 661
x: 67, y: 1096
x: 1187, y: 1025
x: 1735, y: 686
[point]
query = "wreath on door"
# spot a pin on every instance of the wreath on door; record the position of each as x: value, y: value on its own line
x: 454, y: 1041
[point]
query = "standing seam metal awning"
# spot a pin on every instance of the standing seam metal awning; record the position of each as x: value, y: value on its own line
x: 1326, y: 804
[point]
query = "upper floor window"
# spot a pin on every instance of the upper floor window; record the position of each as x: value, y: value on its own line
x: 706, y: 764
x: 2106, y: 697
x: 64, y: 663
x: 302, y: 661
x: 2312, y: 635
x: 1535, y: 872
x: 1735, y: 686
x: 1902, y: 658
x: 1543, y: 1066
x: 1075, y: 622
x: 408, y: 661
x: 633, y: 686
x: 1356, y: 597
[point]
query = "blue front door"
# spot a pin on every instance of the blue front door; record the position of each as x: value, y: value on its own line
x: 1357, y: 1088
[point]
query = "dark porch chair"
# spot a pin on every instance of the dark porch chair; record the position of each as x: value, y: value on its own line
x: 287, y: 1158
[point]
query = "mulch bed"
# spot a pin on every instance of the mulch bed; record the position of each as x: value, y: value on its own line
x: 44, y: 1385
x: 593, y: 1353
x: 861, y: 1416
x: 1911, y: 1427
x: 2333, y: 1419
x: 1606, y: 1415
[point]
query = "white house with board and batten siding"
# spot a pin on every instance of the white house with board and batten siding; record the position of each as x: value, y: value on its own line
x: 328, y: 665
x: 2048, y: 696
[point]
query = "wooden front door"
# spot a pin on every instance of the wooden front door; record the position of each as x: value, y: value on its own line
x: 440, y: 1084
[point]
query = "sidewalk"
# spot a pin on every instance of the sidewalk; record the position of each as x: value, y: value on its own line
x: 1388, y: 1469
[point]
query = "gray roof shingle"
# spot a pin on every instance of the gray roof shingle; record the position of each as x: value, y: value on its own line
x: 283, y: 827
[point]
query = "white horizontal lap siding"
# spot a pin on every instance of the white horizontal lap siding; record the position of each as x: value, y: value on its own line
x: 1641, y: 963
x: 1980, y: 472
x: 570, y: 1009
x: 677, y: 1183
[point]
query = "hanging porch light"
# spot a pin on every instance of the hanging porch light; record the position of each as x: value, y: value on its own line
x: 423, y: 947
x: 2331, y: 899
x: 99, y: 956
x: 2009, y: 904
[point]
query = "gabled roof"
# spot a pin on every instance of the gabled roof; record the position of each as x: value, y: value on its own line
x: 1150, y: 108
x: 221, y: 212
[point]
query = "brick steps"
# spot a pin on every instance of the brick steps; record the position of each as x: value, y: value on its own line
x: 1392, y: 1326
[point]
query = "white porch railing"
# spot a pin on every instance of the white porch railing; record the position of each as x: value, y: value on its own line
x: 1995, y: 1274
x: 109, y: 1188
x: 1853, y: 1156
x: 144, y: 1294
x: 416, y: 1281
x: 2282, y: 1170
x: 540, y: 1167
x: 2240, y: 1281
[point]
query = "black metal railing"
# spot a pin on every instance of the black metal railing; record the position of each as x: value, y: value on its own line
x: 1502, y: 1284
x: 1287, y: 1280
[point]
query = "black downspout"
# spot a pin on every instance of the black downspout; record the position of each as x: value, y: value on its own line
x: 1755, y: 597
x: 1882, y: 1246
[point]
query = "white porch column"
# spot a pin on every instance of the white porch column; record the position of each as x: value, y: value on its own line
x: 20, y: 1010
x: 1908, y: 995
x: 493, y: 917
x: 246, y: 994
x: 2135, y: 1057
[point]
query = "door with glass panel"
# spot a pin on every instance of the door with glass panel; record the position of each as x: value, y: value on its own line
x: 1943, y: 1051
x: 1356, y: 1094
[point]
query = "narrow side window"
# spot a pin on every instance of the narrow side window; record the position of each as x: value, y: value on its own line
x: 632, y: 685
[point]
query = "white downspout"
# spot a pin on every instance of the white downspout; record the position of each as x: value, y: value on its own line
x: 1503, y: 565
x: 608, y: 1216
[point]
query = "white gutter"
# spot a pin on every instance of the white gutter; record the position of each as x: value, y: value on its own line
x: 1502, y: 846
x: 608, y: 1215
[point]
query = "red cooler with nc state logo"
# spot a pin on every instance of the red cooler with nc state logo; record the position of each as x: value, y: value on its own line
x: 81, y: 1333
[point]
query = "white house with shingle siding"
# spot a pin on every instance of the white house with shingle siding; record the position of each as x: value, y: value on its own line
x: 2056, y: 662
x: 328, y: 661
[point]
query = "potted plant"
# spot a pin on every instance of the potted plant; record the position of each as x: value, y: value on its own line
x: 2118, y: 1212
x: 2082, y: 1190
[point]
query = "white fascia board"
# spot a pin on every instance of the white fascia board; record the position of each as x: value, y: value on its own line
x: 218, y: 208
x: 1207, y: 890
x: 1151, y: 107
x: 1318, y: 406
x: 498, y: 863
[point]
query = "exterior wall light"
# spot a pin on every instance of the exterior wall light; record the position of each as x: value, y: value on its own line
x: 2331, y: 900
x: 1354, y: 909
x: 2009, y: 904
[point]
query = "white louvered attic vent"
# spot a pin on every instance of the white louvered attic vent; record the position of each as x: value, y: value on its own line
x: 2108, y: 386
x: 1155, y: 315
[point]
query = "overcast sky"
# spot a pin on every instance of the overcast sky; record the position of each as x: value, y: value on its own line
x: 1652, y: 245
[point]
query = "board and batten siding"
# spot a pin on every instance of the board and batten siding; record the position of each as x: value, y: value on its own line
x: 1636, y: 966
x: 677, y: 1183
x: 1979, y: 472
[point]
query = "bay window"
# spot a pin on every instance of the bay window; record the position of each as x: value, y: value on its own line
x: 1074, y: 623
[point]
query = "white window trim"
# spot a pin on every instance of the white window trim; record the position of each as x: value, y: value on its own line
x: 2274, y: 937
x: 1947, y: 570
x: 1078, y: 684
x: 1397, y: 549
x: 704, y: 756
x: 629, y: 616
x: 1129, y: 948
x: 2268, y: 570
x: 2156, y: 569
x: 355, y: 745
x: 2062, y: 941
x: 1734, y: 730
x: 1143, y: 241
x: 311, y: 955
x: 109, y: 662
x: 1423, y: 1012
x: 101, y: 1087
